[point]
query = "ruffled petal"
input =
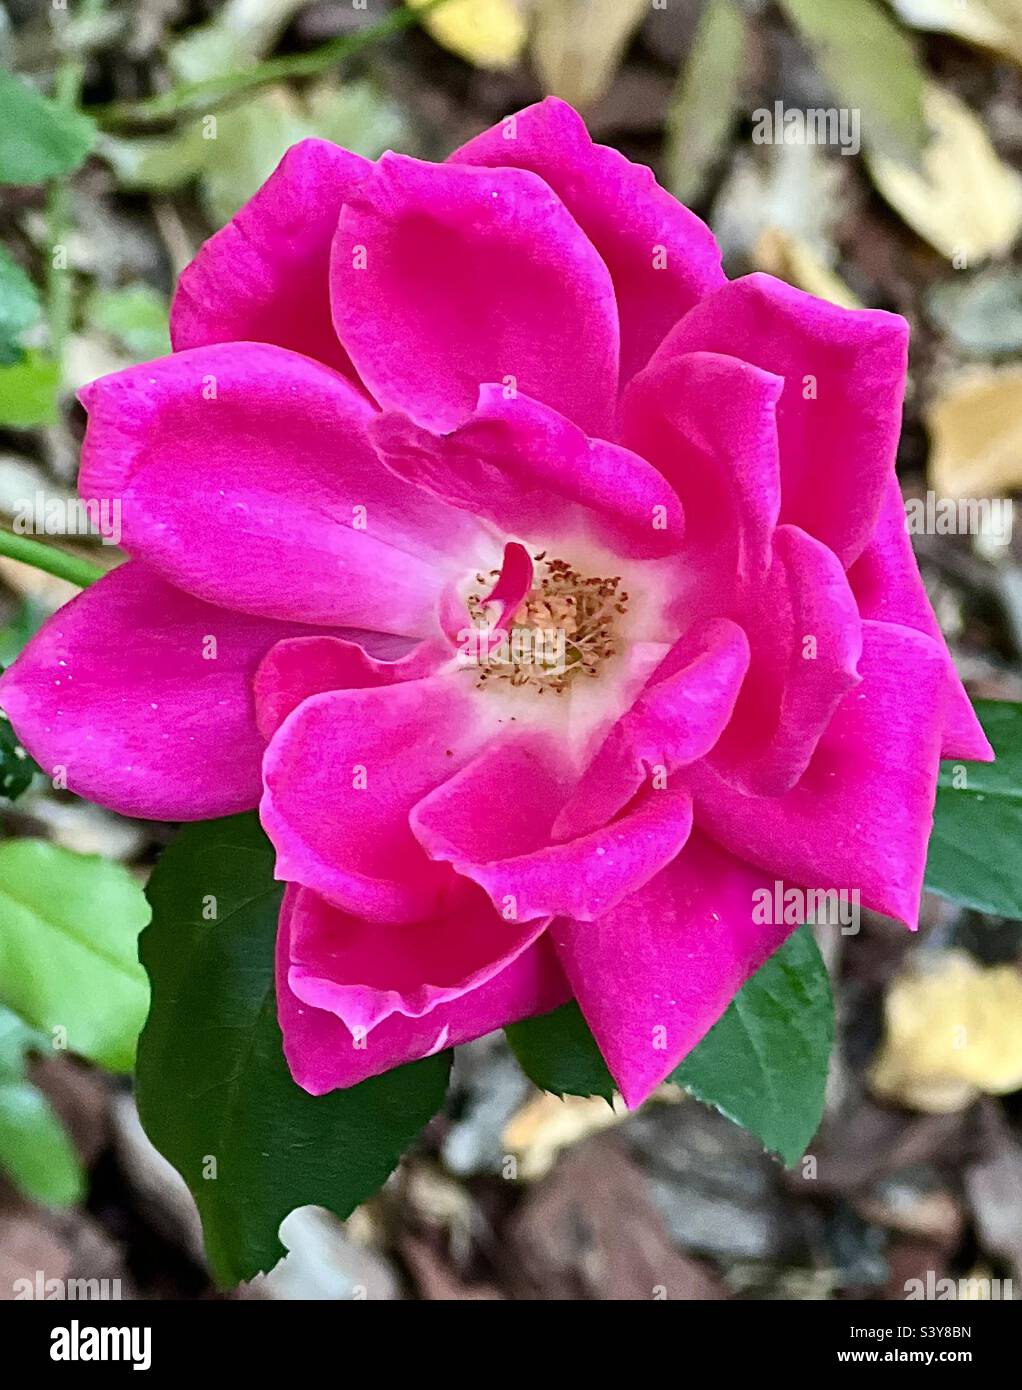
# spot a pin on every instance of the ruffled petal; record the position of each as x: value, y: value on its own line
x: 886, y: 582
x: 365, y: 972
x: 143, y: 695
x: 303, y: 666
x: 677, y: 718
x: 492, y: 821
x: 860, y: 818
x: 806, y: 638
x: 324, y: 1055
x: 709, y: 424
x: 246, y: 477
x: 446, y: 277
x: 341, y: 775
x: 839, y: 417
x: 531, y: 472
x: 661, y: 257
x: 265, y: 277
x: 655, y: 975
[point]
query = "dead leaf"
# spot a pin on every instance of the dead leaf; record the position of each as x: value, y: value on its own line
x: 952, y: 1031
x: 963, y: 199
x: 995, y: 24
x: 976, y: 434
x: 547, y: 1124
x: 787, y: 256
x: 577, y: 45
x: 487, y: 33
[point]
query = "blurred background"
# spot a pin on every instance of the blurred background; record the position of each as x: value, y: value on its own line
x: 915, y: 206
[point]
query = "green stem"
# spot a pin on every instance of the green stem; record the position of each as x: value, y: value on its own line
x: 47, y: 557
x: 67, y: 90
x: 200, y: 97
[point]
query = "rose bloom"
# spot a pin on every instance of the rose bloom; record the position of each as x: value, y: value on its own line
x: 508, y: 396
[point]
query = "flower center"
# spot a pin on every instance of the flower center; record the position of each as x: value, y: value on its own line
x: 564, y: 629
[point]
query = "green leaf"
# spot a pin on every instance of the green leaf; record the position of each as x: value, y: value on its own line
x: 16, y: 768
x: 41, y: 140
x: 68, y: 948
x: 214, y: 1091
x: 705, y: 101
x: 764, y: 1064
x: 870, y: 65
x: 974, y: 853
x: 135, y: 317
x: 35, y: 1150
x: 19, y: 307
x: 558, y: 1053
x: 28, y: 392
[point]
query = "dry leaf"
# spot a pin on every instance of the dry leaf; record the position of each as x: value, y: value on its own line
x: 577, y: 45
x: 547, y: 1124
x: 976, y: 434
x: 995, y: 24
x: 488, y: 33
x: 787, y: 256
x: 963, y: 200
x: 952, y: 1031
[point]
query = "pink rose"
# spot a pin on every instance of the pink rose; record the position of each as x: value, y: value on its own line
x: 551, y: 591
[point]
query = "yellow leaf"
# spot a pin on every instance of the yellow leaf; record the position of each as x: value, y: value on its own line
x: 976, y: 434
x: 488, y: 33
x: 952, y: 1031
x: 995, y: 24
x: 963, y: 200
x: 577, y: 45
x: 787, y: 256
x: 547, y: 1124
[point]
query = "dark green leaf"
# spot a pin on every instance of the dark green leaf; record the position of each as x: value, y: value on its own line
x: 764, y: 1064
x: 35, y: 1151
x: 41, y: 139
x: 214, y: 1090
x: 975, y: 853
x: 16, y: 767
x: 559, y: 1054
x: 68, y: 948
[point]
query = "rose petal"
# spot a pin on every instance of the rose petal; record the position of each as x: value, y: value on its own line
x: 806, y: 638
x: 655, y: 975
x: 839, y: 417
x: 144, y: 695
x: 860, y: 818
x: 532, y: 473
x: 446, y: 277
x: 341, y: 775
x: 709, y: 424
x: 246, y: 477
x: 365, y: 972
x: 324, y: 1055
x: 265, y: 277
x: 661, y: 257
x: 492, y: 822
x: 886, y: 582
x: 677, y: 718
